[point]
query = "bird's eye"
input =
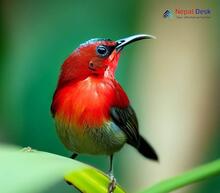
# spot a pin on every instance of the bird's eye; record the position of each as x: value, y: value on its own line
x: 102, y: 51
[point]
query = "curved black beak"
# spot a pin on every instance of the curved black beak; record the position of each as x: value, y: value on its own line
x: 125, y: 41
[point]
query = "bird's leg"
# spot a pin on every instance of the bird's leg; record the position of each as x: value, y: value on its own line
x: 112, y: 184
x: 74, y: 155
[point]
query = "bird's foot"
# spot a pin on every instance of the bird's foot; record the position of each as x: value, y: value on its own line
x: 74, y: 155
x: 112, y: 184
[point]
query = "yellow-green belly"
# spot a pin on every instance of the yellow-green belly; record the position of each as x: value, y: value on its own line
x: 105, y: 140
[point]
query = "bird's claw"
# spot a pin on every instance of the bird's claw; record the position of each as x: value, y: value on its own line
x: 112, y: 184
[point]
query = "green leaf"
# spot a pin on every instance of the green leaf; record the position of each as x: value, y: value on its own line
x: 90, y: 180
x: 30, y: 171
x: 195, y: 175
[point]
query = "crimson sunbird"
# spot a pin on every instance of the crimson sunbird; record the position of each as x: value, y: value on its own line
x: 92, y: 112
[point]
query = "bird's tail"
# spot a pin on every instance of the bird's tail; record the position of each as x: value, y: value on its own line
x: 146, y: 149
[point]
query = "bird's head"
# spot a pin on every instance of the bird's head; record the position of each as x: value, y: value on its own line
x: 96, y: 57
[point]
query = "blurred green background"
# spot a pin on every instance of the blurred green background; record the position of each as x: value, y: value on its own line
x: 37, y: 36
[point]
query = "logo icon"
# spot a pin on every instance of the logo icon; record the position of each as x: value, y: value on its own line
x: 168, y: 14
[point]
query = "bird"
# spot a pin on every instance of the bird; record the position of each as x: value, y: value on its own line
x: 92, y: 112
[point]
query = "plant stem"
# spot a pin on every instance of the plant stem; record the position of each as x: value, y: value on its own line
x: 195, y: 175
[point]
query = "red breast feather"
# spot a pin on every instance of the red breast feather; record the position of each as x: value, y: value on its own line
x: 87, y: 103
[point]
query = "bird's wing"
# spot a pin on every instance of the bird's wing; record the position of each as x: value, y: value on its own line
x: 126, y: 119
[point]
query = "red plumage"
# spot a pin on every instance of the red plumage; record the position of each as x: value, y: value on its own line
x: 88, y: 102
x: 84, y: 96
